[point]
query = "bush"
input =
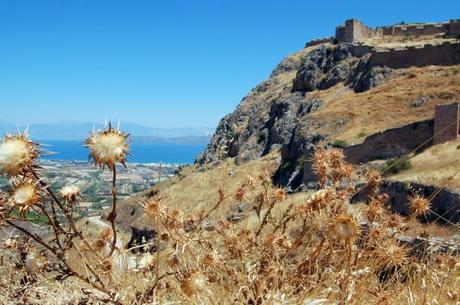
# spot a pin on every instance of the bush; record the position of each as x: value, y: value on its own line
x: 339, y: 144
x: 396, y: 165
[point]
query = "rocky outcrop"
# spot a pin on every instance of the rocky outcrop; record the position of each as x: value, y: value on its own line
x: 370, y: 77
x: 261, y: 135
x: 329, y: 65
x: 445, y: 204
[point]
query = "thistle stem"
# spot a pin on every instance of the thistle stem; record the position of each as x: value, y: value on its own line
x: 113, y: 213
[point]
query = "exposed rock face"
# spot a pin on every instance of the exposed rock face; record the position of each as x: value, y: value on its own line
x: 260, y: 136
x: 295, y: 161
x: 327, y: 66
x: 141, y: 237
x: 371, y: 77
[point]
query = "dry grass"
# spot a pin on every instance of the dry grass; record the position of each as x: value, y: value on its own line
x: 286, y: 249
x: 438, y: 165
x: 388, y: 105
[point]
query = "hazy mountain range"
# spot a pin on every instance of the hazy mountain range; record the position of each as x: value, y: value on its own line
x: 74, y: 131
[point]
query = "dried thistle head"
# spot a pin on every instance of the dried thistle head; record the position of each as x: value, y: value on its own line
x: 395, y: 221
x: 419, y: 206
x: 70, y: 193
x: 209, y: 259
x: 108, y: 147
x: 344, y: 227
x: 17, y: 154
x: 320, y: 200
x: 24, y: 196
x: 374, y: 179
x: 279, y: 194
x: 390, y: 254
x: 375, y: 210
x: 248, y: 181
x: 239, y: 194
x: 151, y: 207
x: 193, y: 283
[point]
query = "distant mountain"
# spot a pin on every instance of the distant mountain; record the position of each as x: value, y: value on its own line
x: 70, y: 131
x: 191, y: 140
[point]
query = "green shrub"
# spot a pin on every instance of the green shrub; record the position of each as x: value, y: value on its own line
x: 396, y: 165
x: 339, y: 144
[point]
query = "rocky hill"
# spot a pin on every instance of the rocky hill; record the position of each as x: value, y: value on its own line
x: 328, y: 93
x: 338, y: 92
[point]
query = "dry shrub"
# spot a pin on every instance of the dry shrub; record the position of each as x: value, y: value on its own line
x: 316, y: 251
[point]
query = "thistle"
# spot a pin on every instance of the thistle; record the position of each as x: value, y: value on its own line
x: 196, y: 282
x: 419, y: 206
x: 108, y: 147
x: 390, y: 254
x: 344, y: 227
x: 70, y: 193
x: 17, y: 154
x: 151, y: 207
x: 24, y: 196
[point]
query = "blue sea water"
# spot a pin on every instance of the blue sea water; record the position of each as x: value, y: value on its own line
x: 139, y: 153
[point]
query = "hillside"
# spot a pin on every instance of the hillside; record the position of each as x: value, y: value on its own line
x: 299, y: 198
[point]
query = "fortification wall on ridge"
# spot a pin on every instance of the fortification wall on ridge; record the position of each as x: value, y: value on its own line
x: 316, y: 42
x: 355, y: 31
x: 391, y: 143
x: 443, y: 55
x: 446, y: 123
x: 399, y: 141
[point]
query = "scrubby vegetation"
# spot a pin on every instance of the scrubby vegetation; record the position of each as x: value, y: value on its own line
x: 340, y: 144
x: 396, y: 165
x: 315, y: 250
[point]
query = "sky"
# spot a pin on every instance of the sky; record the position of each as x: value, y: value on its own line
x: 164, y: 63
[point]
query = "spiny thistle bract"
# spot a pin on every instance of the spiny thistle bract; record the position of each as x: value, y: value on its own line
x: 24, y: 196
x: 17, y: 154
x: 108, y: 146
x: 277, y: 251
x: 419, y: 206
x: 70, y: 193
x: 344, y: 227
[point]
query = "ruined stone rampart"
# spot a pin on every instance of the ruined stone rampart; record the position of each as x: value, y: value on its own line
x: 446, y: 123
x: 318, y: 42
x: 392, y: 143
x: 399, y: 141
x: 443, y: 54
x: 355, y: 31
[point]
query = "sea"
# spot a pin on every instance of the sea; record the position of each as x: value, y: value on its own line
x: 139, y: 153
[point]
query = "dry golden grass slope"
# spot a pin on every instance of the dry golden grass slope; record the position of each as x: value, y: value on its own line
x: 438, y: 165
x: 388, y: 105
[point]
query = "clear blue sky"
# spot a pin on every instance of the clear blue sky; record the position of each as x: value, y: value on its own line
x: 162, y: 63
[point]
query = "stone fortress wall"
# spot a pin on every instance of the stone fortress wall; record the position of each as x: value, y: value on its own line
x: 355, y: 31
x: 316, y: 42
x: 402, y: 140
x: 445, y: 54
